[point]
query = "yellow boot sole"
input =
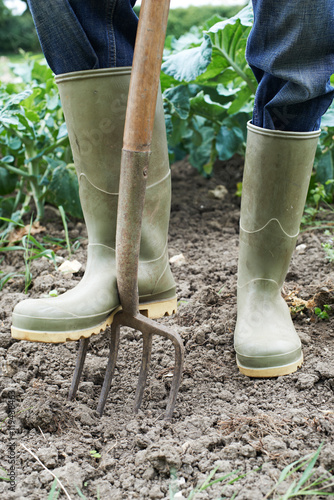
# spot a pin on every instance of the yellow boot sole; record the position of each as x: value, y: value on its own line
x: 276, y: 371
x: 153, y: 310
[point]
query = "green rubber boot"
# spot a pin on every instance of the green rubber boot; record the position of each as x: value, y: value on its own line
x: 94, y: 104
x: 277, y: 173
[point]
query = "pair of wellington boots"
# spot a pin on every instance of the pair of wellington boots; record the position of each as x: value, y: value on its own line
x: 94, y: 104
x: 278, y: 167
x: 277, y: 173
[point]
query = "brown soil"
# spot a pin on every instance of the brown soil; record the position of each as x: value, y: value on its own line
x: 222, y: 419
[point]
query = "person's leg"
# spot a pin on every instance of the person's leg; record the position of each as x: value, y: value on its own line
x: 291, y: 52
x: 80, y: 35
x: 94, y: 103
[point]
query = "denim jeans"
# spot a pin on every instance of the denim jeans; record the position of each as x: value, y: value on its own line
x: 85, y: 34
x: 291, y: 52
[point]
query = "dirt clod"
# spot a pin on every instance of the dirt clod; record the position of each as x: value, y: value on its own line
x: 222, y: 420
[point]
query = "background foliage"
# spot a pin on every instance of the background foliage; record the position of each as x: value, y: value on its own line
x: 181, y: 20
x: 208, y: 92
x: 35, y: 157
x: 16, y: 32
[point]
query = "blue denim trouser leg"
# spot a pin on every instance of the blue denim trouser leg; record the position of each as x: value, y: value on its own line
x: 291, y: 52
x: 85, y: 34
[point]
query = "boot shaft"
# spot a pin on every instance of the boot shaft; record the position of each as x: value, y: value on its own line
x: 94, y: 104
x: 277, y: 173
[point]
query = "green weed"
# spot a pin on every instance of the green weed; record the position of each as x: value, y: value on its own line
x: 322, y: 313
x: 307, y: 485
x: 63, y: 218
x: 4, y: 478
x: 35, y: 157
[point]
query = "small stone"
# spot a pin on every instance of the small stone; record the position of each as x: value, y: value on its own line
x: 142, y: 441
x: 306, y: 381
x: 325, y: 370
x: 103, y: 487
x: 149, y: 474
x: 305, y: 338
x: 248, y: 451
x: 107, y: 462
x: 178, y: 260
x: 301, y: 248
x: 200, y: 337
x: 156, y: 492
x: 218, y: 193
x: 70, y: 267
x: 48, y: 456
x: 11, y: 391
x: 71, y: 475
x: 273, y: 445
x: 232, y: 451
x: 164, y: 457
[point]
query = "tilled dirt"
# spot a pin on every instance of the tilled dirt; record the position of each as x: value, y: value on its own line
x: 222, y: 420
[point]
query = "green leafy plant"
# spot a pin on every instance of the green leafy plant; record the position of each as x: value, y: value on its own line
x: 180, y: 20
x: 300, y: 477
x: 94, y: 454
x: 308, y: 484
x: 208, y: 91
x: 32, y: 249
x: 227, y: 479
x: 35, y: 157
x: 63, y: 218
x: 322, y: 313
x: 328, y: 246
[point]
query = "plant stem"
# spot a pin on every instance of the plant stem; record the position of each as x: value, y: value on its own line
x: 15, y: 170
x: 236, y: 68
x: 33, y: 168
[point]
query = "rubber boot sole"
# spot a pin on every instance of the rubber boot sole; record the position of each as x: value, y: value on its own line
x: 153, y: 310
x: 276, y: 371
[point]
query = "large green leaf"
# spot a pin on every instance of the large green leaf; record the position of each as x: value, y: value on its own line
x: 188, y: 64
x: 229, y: 40
x: 244, y: 17
x: 325, y: 168
x: 200, y: 154
x: 328, y: 118
x: 203, y: 105
x: 243, y: 101
x: 64, y: 190
x: 229, y: 139
x: 7, y: 181
x: 179, y: 98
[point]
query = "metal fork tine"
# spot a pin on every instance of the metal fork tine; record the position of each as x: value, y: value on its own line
x: 83, y: 347
x: 114, y: 345
x: 178, y: 368
x: 148, y: 328
x: 162, y: 331
x: 146, y: 358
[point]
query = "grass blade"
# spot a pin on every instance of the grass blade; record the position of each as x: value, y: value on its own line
x: 308, y: 471
x: 63, y: 218
x: 53, y: 494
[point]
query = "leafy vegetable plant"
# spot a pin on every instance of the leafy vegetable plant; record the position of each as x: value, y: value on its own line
x: 34, y: 150
x: 208, y: 91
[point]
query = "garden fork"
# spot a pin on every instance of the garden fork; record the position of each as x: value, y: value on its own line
x: 134, y: 168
